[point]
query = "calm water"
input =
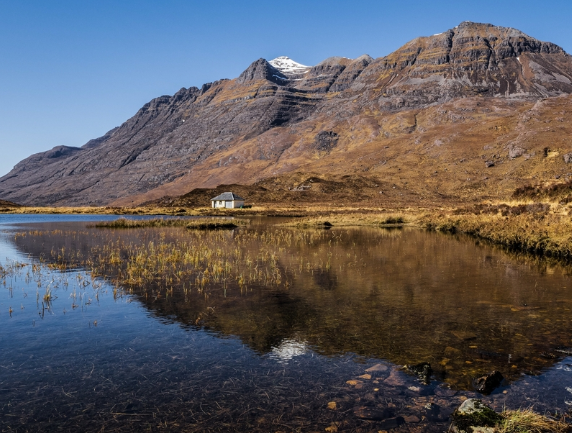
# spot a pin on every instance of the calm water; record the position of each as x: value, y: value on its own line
x: 83, y: 353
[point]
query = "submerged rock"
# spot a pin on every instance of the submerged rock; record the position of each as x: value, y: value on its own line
x: 376, y: 368
x: 423, y: 371
x: 489, y: 382
x: 372, y: 413
x: 473, y: 416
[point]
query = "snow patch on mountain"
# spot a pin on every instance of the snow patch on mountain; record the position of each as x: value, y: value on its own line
x: 288, y: 66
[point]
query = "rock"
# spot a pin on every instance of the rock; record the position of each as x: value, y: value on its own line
x: 332, y: 405
x: 411, y: 419
x: 567, y: 158
x: 489, y: 164
x: 451, y: 351
x: 372, y: 413
x: 515, y: 152
x: 423, y: 371
x: 261, y: 70
x: 464, y: 335
x: 488, y: 383
x: 444, y: 392
x: 474, y: 416
x: 391, y: 423
x: 365, y: 376
x: 432, y: 411
x: 354, y: 382
x: 326, y: 141
x: 394, y: 379
x: 376, y: 367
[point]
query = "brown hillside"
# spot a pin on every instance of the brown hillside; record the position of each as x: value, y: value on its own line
x: 468, y: 149
x: 464, y: 114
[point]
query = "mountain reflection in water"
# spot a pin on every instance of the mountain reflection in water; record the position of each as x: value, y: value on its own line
x: 407, y: 296
x: 334, y: 303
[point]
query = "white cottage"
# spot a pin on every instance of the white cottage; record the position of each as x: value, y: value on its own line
x: 228, y: 200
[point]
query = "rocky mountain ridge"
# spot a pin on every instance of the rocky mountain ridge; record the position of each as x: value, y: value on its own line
x: 337, y: 117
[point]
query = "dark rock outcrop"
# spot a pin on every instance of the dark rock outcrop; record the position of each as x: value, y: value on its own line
x: 261, y: 70
x: 326, y: 140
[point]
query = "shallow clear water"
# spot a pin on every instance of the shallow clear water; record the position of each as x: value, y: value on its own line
x: 93, y: 355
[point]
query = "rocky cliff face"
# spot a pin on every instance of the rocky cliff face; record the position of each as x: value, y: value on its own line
x: 278, y: 117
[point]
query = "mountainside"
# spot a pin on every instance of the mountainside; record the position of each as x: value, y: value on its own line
x: 475, y: 111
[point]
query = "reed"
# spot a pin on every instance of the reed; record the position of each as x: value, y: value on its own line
x: 199, y: 223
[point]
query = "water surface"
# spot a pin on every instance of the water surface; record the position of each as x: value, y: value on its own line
x: 271, y: 352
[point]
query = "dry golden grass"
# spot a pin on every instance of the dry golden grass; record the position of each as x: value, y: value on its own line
x: 543, y: 228
x: 351, y: 219
x: 539, y: 229
x: 527, y: 421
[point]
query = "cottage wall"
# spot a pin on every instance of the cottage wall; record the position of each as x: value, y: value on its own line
x: 233, y: 204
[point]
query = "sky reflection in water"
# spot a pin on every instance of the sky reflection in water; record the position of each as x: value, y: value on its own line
x: 262, y: 357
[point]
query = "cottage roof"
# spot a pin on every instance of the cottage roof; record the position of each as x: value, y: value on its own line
x: 227, y: 196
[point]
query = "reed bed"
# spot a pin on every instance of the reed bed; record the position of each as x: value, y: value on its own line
x: 199, y: 223
x: 162, y: 258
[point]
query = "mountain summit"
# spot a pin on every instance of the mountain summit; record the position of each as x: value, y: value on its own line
x: 288, y: 66
x: 441, y: 98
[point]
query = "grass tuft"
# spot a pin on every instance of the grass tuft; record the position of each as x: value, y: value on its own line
x: 527, y: 421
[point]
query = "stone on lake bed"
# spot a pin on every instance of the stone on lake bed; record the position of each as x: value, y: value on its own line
x: 332, y: 405
x: 444, y: 392
x: 376, y: 367
x: 451, y: 351
x: 354, y: 382
x: 394, y: 379
x: 391, y: 423
x: 464, y: 335
x: 372, y: 413
x: 365, y: 376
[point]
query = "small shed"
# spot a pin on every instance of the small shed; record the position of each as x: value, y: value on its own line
x: 227, y: 200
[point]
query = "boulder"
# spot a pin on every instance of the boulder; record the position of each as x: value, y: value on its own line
x: 489, y: 382
x: 473, y: 416
x: 515, y: 152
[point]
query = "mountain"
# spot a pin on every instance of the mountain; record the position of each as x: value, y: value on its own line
x: 472, y: 112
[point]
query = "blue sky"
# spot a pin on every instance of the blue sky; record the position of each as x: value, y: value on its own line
x: 72, y: 70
